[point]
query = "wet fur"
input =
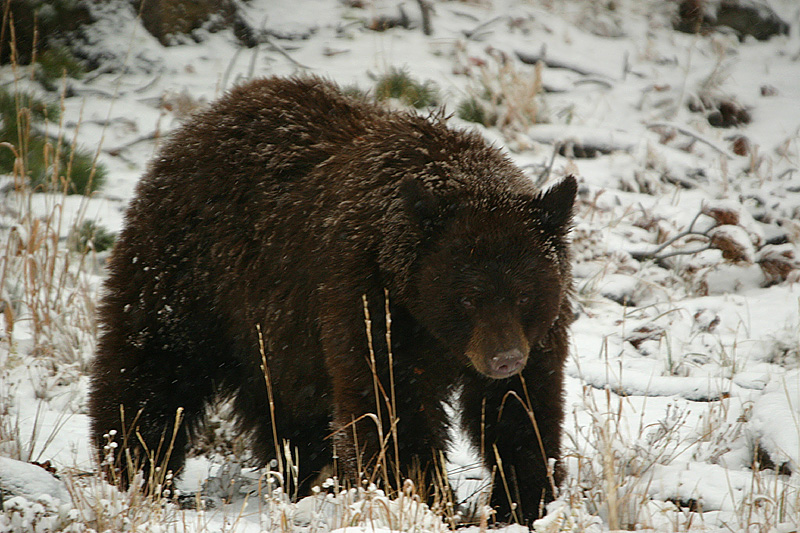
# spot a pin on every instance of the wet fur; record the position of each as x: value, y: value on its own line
x: 280, y: 206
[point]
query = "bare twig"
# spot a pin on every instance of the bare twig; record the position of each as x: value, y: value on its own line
x: 500, y: 469
x: 377, y: 386
x: 690, y: 133
x: 684, y: 252
x: 229, y: 68
x: 278, y: 48
x: 268, y: 381
x: 117, y: 149
x: 546, y: 172
x: 393, y: 398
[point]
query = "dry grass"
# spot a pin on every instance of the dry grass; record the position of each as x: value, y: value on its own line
x: 47, y: 296
x: 504, y: 95
x: 41, y: 280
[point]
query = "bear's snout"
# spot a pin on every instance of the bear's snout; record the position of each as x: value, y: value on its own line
x: 498, y: 346
x: 506, y: 364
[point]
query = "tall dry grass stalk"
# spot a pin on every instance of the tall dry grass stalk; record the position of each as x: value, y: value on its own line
x: 394, y: 481
x: 43, y: 283
x: 270, y: 396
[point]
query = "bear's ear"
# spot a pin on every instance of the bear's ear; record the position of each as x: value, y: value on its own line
x: 554, y: 206
x: 422, y: 206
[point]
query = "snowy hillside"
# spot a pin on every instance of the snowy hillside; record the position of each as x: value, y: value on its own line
x: 684, y: 381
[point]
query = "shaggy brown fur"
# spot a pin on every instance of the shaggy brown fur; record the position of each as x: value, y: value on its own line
x: 280, y: 206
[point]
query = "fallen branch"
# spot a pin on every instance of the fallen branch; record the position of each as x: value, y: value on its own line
x: 149, y: 84
x: 471, y: 34
x: 680, y: 181
x: 583, y: 141
x: 117, y: 149
x: 92, y: 91
x: 656, y: 252
x: 532, y: 58
x: 599, y: 81
x: 690, y: 133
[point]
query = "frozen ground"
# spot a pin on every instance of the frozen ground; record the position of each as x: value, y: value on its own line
x: 684, y: 381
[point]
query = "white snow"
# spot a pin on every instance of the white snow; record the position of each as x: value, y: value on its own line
x: 683, y: 363
x: 30, y: 481
x: 775, y: 420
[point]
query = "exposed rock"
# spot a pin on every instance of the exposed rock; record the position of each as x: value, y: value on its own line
x: 720, y: 112
x: 166, y: 19
x: 745, y: 17
x: 750, y: 17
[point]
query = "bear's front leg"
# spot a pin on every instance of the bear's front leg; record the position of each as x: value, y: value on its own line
x: 389, y: 422
x: 353, y: 369
x: 404, y: 441
x: 519, y: 435
x: 357, y: 440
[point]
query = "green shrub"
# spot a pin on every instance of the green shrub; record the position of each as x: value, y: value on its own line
x: 54, y: 63
x: 39, y: 110
x: 21, y: 125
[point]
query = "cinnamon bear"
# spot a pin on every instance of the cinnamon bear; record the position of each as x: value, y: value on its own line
x: 273, y: 223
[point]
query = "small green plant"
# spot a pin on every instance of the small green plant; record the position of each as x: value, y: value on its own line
x: 91, y: 236
x: 354, y: 91
x: 46, y: 163
x: 399, y: 84
x: 473, y: 110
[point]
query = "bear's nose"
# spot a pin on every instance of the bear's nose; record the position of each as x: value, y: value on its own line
x: 507, y: 363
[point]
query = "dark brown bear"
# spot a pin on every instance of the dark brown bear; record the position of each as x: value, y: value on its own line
x: 285, y: 206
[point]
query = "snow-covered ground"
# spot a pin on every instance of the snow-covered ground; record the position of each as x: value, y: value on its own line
x: 683, y: 407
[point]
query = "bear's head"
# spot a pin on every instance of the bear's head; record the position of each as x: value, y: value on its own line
x: 493, y: 272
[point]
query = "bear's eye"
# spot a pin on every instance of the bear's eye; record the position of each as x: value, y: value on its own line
x: 466, y: 302
x: 523, y: 299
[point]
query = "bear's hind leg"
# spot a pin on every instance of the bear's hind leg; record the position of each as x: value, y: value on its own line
x: 153, y: 400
